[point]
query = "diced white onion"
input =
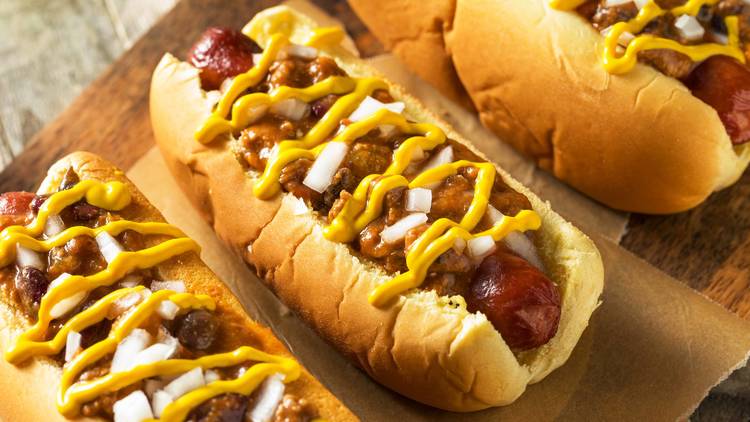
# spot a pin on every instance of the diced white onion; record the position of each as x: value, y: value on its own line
x: 53, y: 226
x: 387, y: 130
x: 186, y: 383
x: 254, y: 113
x: 291, y: 108
x: 397, y: 231
x: 480, y: 247
x: 108, y: 246
x: 689, y: 27
x: 495, y: 216
x: 131, y: 280
x: 160, y: 401
x: 25, y: 257
x: 459, y: 245
x: 177, y: 286
x: 256, y: 58
x: 625, y: 37
x: 370, y: 106
x: 154, y: 353
x: 269, y: 396
x: 524, y: 247
x: 211, y: 376
x: 69, y: 303
x: 419, y: 199
x: 445, y: 156
x: 72, y: 345
x: 611, y: 3
x: 168, y: 310
x: 721, y: 38
x: 297, y: 50
x: 324, y: 168
x: 128, y: 349
x: 133, y: 408
x: 640, y: 4
x: 125, y: 303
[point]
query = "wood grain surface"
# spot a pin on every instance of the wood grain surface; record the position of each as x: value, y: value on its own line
x: 707, y: 248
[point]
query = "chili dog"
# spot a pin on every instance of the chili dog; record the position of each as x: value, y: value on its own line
x: 433, y: 270
x: 108, y: 313
x: 642, y: 106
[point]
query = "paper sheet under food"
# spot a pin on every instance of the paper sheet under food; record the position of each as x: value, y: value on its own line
x: 653, y: 350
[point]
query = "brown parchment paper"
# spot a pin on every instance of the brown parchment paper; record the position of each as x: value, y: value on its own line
x: 653, y: 349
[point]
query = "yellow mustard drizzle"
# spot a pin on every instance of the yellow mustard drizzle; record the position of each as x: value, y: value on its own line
x: 72, y: 395
x: 617, y: 63
x: 366, y: 203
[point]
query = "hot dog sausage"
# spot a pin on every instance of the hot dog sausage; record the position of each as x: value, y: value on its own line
x: 221, y: 53
x: 520, y: 301
x: 724, y: 84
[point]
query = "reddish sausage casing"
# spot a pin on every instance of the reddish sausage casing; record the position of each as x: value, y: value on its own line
x: 14, y: 207
x: 724, y: 84
x: 221, y: 53
x: 520, y: 301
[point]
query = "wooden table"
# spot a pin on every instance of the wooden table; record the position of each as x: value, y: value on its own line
x: 59, y: 47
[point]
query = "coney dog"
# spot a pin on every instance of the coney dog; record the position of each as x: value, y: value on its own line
x: 108, y: 313
x: 642, y: 104
x: 395, y: 239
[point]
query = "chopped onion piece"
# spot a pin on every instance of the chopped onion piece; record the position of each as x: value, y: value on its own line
x: 211, y: 376
x: 419, y: 199
x: 297, y: 50
x: 72, y: 345
x: 495, y: 216
x: 125, y: 303
x: 108, y: 246
x: 480, y: 247
x: 167, y: 310
x: 269, y: 396
x: 324, y: 168
x: 254, y: 113
x: 132, y: 408
x: 524, y: 247
x: 25, y: 257
x: 387, y: 130
x: 53, y: 226
x: 445, y: 156
x: 256, y: 58
x: 160, y: 401
x: 291, y: 108
x: 69, y: 303
x: 177, y: 286
x: 640, y: 4
x: 154, y: 353
x: 131, y: 280
x: 689, y: 27
x: 128, y: 349
x: 459, y: 245
x: 370, y: 106
x: 624, y: 39
x: 397, y: 231
x: 186, y: 383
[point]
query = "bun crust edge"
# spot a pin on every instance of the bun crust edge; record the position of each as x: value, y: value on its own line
x: 35, y: 383
x: 425, y: 347
x: 636, y: 142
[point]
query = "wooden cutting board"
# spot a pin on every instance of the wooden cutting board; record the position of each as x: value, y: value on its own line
x: 707, y: 248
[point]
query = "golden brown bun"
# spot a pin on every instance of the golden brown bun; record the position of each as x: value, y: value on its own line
x: 419, y: 346
x: 34, y: 385
x: 637, y: 142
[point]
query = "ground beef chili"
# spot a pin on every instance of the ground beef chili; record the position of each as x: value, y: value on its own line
x: 452, y: 272
x: 197, y: 331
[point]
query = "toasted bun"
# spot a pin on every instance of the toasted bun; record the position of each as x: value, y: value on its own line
x: 637, y: 142
x: 35, y: 384
x: 420, y: 346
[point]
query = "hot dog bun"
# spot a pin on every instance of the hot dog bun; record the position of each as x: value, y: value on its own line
x: 636, y: 142
x: 35, y: 384
x: 422, y: 345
